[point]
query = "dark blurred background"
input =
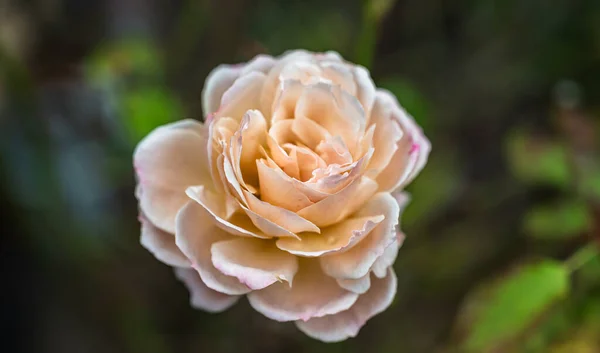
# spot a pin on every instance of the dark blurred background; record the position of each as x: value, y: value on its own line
x: 495, y: 260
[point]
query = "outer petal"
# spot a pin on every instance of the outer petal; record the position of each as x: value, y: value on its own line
x: 161, y: 205
x: 390, y: 253
x: 386, y: 135
x: 338, y: 327
x: 261, y: 62
x: 202, y: 297
x: 217, y: 82
x: 162, y: 245
x: 359, y: 285
x: 340, y: 74
x: 195, y: 236
x: 365, y: 89
x: 313, y: 295
x: 242, y: 96
x: 273, y: 78
x: 336, y: 207
x: 167, y: 161
x: 388, y: 257
x: 413, y: 149
x: 357, y: 261
x: 256, y: 263
x: 330, y: 55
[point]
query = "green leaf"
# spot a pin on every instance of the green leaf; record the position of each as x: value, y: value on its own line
x: 514, y: 303
x: 535, y: 159
x: 565, y: 219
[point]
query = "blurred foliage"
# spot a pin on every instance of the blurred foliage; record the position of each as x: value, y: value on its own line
x: 538, y: 160
x: 567, y: 218
x: 511, y: 305
x: 508, y: 92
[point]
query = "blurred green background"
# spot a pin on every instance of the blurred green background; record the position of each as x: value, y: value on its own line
x: 501, y: 251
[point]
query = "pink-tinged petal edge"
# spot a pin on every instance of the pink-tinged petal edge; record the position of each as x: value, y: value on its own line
x: 202, y: 297
x: 346, y: 324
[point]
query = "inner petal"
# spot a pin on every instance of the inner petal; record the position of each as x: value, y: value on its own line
x: 333, y: 150
x: 334, y: 109
x: 307, y: 160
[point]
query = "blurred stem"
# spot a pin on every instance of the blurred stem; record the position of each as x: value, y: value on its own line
x: 582, y: 256
x: 365, y: 46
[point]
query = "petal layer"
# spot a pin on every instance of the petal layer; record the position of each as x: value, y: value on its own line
x: 254, y: 262
x: 338, y: 327
x: 313, y: 294
x: 195, y: 236
x: 202, y: 297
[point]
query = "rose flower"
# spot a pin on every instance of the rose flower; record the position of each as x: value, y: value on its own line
x: 288, y: 193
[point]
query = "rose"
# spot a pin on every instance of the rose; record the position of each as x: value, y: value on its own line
x: 289, y: 193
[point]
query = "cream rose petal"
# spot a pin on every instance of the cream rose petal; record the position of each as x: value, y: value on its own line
x: 388, y: 257
x: 359, y: 285
x: 269, y: 90
x: 311, y: 193
x: 167, y: 161
x: 161, y: 206
x: 330, y: 55
x: 309, y: 132
x: 261, y: 62
x: 202, y: 297
x: 338, y: 327
x: 218, y: 81
x: 387, y: 133
x: 282, y: 160
x: 242, y: 96
x: 332, y: 239
x: 340, y: 74
x: 162, y: 245
x: 214, y: 205
x: 334, y: 151
x: 278, y: 189
x: 281, y: 132
x: 313, y: 294
x: 195, y: 236
x: 247, y: 141
x: 288, y: 220
x: 357, y: 261
x: 413, y: 148
x: 365, y: 91
x: 254, y: 262
x: 336, y: 207
x: 334, y: 109
x: 399, y: 169
x: 288, y: 92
